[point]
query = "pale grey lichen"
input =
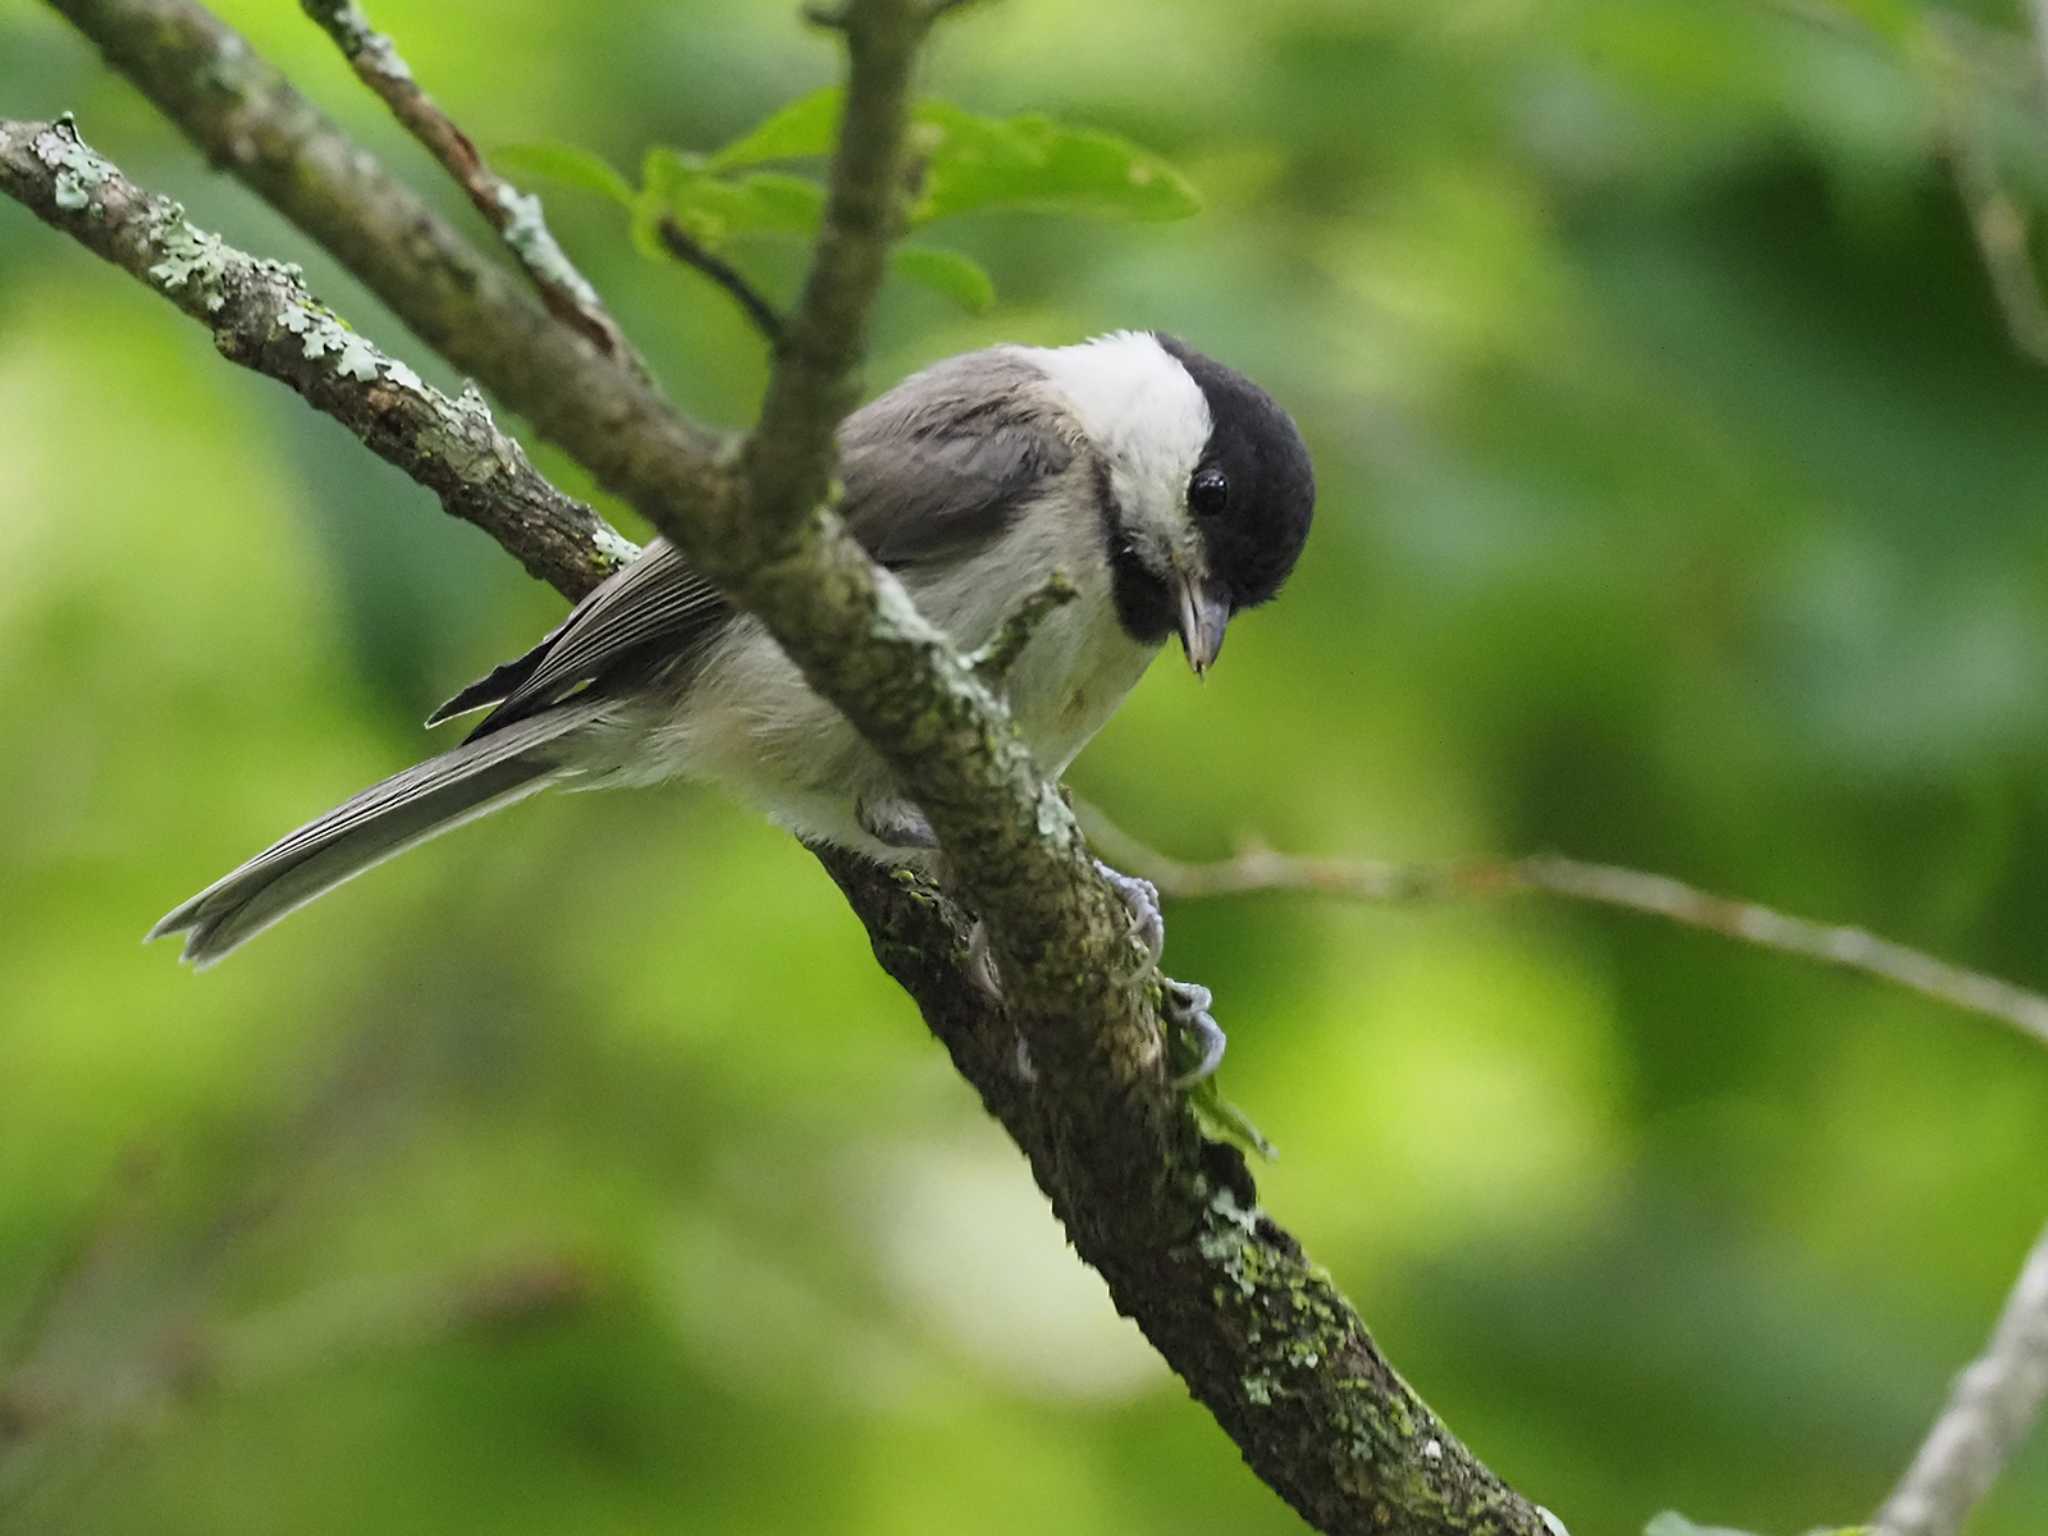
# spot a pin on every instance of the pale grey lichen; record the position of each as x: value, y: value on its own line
x: 402, y: 376
x: 526, y: 231
x: 192, y: 257
x: 322, y: 334
x: 359, y: 360
x: 80, y: 172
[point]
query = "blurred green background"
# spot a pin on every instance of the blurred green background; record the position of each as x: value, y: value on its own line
x: 1682, y: 507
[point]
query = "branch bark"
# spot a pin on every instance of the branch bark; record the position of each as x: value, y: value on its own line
x: 1990, y: 1411
x: 1261, y: 1335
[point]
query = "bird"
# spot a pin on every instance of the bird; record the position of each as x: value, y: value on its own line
x: 1166, y: 489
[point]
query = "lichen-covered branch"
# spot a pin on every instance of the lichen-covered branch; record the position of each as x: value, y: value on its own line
x: 515, y: 215
x: 1259, y: 1332
x: 262, y: 316
x: 1260, y: 1335
x: 1990, y: 1411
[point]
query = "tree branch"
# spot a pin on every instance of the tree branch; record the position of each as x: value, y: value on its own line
x: 1261, y: 1335
x: 515, y: 215
x: 1990, y: 1410
x: 1385, y: 884
x: 262, y: 317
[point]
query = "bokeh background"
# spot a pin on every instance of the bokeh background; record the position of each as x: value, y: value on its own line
x: 1682, y: 507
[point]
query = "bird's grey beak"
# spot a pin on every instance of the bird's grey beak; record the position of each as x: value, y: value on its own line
x: 1204, y: 611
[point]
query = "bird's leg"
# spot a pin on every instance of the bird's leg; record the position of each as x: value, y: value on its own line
x: 1193, y: 1035
x: 897, y: 823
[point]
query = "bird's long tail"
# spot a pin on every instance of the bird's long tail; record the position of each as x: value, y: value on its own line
x: 425, y: 800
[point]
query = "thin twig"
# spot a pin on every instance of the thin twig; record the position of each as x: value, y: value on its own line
x: 1998, y: 224
x: 994, y: 660
x: 1383, y: 883
x: 1990, y: 1410
x: 678, y: 243
x: 515, y: 215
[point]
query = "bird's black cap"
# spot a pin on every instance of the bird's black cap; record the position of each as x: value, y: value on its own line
x: 1254, y: 538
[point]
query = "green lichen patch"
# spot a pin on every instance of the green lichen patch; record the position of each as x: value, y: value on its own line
x: 80, y: 172
x: 323, y: 334
x: 192, y: 257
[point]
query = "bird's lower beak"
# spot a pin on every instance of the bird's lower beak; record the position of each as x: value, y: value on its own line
x: 1204, y: 611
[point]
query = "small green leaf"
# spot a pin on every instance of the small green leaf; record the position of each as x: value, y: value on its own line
x: 971, y: 163
x: 714, y: 209
x: 806, y: 127
x: 976, y: 163
x: 960, y: 278
x: 647, y: 213
x: 568, y: 165
x: 1222, y: 1118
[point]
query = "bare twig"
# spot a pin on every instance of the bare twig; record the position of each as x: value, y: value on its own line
x: 994, y: 660
x: 1999, y: 225
x: 1629, y: 890
x: 515, y: 215
x: 1990, y: 1410
x: 677, y: 242
x: 263, y: 317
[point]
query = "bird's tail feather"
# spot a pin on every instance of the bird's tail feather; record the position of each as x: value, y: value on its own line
x: 404, y: 810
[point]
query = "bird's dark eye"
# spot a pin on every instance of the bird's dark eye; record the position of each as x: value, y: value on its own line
x: 1208, y: 492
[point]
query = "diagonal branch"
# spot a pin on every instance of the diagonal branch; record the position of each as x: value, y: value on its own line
x: 1990, y: 1410
x: 515, y: 215
x: 263, y: 317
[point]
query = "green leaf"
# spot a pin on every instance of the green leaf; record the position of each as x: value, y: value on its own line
x: 806, y: 127
x: 973, y: 164
x: 960, y: 278
x: 568, y: 165
x: 1222, y: 1118
x: 714, y: 209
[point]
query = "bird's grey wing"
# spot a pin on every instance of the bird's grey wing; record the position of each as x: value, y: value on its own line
x: 658, y: 598
x: 935, y: 467
x: 940, y: 464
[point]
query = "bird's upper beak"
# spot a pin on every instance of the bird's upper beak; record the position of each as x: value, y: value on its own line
x: 1204, y: 612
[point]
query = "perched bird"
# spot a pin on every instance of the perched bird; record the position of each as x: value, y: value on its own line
x: 1170, y: 491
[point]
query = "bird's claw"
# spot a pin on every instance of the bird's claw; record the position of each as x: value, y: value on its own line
x: 1141, y: 899
x: 1192, y: 1030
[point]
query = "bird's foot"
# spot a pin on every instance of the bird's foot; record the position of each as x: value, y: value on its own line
x: 1195, y: 1040
x: 1141, y: 899
x: 1193, y: 1036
